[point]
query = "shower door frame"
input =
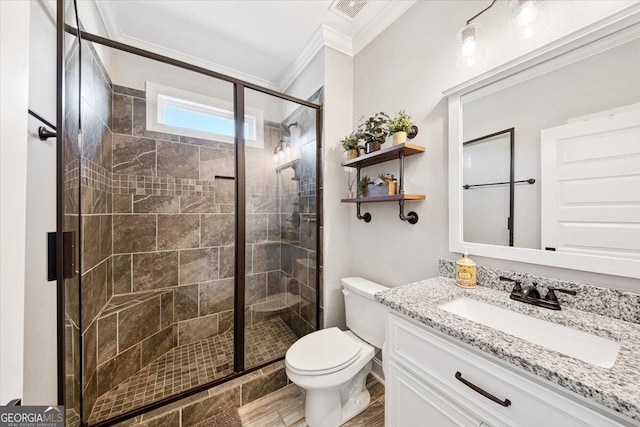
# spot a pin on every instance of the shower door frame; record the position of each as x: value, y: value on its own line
x: 239, y: 87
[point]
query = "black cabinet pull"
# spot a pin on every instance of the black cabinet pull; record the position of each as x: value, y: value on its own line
x: 477, y: 389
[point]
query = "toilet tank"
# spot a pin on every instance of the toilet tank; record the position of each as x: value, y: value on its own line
x: 365, y: 317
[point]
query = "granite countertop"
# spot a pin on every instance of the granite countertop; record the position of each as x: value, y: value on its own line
x: 617, y: 388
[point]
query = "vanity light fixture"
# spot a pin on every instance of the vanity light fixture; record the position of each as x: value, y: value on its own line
x: 470, y: 40
x: 527, y: 17
x: 281, y: 150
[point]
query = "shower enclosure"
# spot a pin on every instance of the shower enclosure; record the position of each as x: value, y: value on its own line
x: 187, y: 244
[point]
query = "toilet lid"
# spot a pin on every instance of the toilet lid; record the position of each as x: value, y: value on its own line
x: 322, y: 352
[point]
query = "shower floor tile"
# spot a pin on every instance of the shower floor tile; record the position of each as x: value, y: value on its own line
x: 189, y: 365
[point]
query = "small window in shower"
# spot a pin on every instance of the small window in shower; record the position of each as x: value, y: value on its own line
x: 195, y: 115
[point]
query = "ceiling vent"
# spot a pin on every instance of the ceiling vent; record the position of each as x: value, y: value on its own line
x: 347, y: 9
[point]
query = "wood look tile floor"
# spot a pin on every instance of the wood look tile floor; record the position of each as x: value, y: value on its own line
x: 285, y: 408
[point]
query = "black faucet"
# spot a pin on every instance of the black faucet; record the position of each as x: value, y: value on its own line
x: 531, y: 295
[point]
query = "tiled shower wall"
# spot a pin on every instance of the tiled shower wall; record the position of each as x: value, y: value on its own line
x: 173, y: 220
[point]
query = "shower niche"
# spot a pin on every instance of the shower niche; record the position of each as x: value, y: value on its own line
x: 198, y: 252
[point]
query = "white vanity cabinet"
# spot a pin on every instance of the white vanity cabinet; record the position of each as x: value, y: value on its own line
x: 422, y: 367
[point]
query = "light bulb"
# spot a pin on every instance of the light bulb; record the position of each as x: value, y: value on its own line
x: 470, y: 45
x: 288, y: 149
x: 528, y: 17
x: 528, y: 14
x: 275, y: 157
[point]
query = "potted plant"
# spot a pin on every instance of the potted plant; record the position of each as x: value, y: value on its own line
x: 373, y: 187
x: 399, y: 126
x: 362, y: 186
x: 375, y: 130
x: 351, y: 145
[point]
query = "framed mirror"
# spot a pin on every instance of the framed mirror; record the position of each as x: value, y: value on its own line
x: 544, y: 154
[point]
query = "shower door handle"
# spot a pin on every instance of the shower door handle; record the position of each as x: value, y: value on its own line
x: 69, y: 255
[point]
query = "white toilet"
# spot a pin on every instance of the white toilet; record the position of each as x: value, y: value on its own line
x: 332, y: 365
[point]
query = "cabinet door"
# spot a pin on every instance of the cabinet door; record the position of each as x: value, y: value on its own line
x: 410, y: 403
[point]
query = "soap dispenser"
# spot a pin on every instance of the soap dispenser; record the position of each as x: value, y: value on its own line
x: 466, y: 271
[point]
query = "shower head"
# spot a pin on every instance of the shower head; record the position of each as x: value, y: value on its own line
x: 286, y: 129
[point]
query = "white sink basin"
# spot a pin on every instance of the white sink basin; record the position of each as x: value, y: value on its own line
x: 570, y: 342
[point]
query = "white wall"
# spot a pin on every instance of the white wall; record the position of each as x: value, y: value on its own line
x: 14, y: 86
x: 40, y: 367
x: 408, y: 66
x: 339, y: 257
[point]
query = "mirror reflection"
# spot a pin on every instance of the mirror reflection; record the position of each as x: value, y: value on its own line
x: 551, y: 159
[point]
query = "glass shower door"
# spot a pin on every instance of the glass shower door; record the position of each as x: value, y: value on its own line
x: 281, y: 241
x: 68, y: 218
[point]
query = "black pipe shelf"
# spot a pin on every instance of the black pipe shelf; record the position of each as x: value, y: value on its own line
x: 395, y: 152
x: 392, y: 198
x: 384, y: 155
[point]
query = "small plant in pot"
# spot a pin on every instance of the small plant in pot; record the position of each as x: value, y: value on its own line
x: 375, y: 130
x: 373, y: 187
x: 399, y: 126
x: 351, y: 145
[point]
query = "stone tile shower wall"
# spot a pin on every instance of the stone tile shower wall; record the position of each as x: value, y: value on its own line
x: 173, y: 237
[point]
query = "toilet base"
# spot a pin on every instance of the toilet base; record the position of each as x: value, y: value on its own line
x: 334, y: 407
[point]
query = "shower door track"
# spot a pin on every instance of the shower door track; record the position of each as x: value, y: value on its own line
x: 240, y: 225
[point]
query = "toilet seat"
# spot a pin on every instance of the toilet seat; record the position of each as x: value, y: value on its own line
x: 322, y: 352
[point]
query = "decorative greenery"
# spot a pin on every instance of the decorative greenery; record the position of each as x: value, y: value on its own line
x: 375, y: 128
x: 382, y: 179
x: 351, y: 141
x: 362, y: 185
x: 401, y: 122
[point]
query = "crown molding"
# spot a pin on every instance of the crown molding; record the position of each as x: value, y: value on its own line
x: 109, y: 19
x: 387, y: 15
x: 336, y: 40
x: 181, y: 56
x: 309, y: 51
x: 321, y: 37
x: 327, y: 36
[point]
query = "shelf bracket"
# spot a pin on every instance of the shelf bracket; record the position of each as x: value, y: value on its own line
x: 412, y: 217
x: 367, y: 216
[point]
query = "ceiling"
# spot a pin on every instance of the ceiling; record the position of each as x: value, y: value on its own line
x: 264, y: 41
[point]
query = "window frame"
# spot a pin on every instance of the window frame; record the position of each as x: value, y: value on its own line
x: 160, y: 96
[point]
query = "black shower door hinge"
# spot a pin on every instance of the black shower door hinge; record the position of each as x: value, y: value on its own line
x: 69, y: 255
